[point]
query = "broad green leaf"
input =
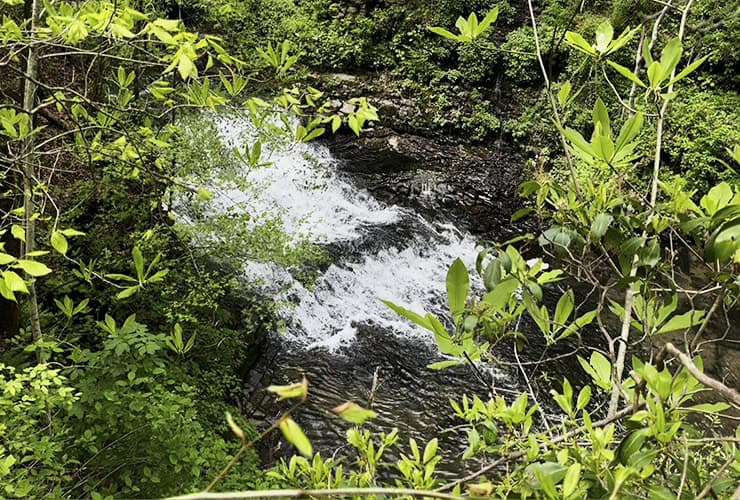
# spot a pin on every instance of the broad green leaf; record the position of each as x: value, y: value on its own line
x: 604, y: 36
x: 488, y: 20
x: 18, y: 232
x: 688, y: 70
x: 295, y: 435
x: 710, y: 407
x: 579, y: 323
x: 444, y: 33
x: 354, y: 413
x: 127, y: 292
x: 602, y: 365
x: 186, y: 67
x: 629, y: 131
x: 440, y: 365
x: 600, y: 225
x: 627, y: 73
x: 576, y: 41
x: 564, y: 93
x: 430, y: 450
x: 138, y: 263
x: 521, y: 213
x: 410, y: 315
x: 32, y: 267
x: 577, y: 141
x: 14, y: 282
x: 655, y: 74
x: 297, y: 390
x: 682, y: 321
x: 572, y: 477
x: 441, y: 336
x: 336, y: 122
x: 584, y: 397
x: 601, y: 116
x: 603, y: 148
x: 564, y: 308
x: 458, y: 286
x: 724, y: 242
x: 633, y: 245
x: 59, y: 242
x: 670, y: 55
x: 497, y: 298
x: 6, y: 259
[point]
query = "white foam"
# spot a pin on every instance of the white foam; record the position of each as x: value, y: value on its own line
x: 303, y: 185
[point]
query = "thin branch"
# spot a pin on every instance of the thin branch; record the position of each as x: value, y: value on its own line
x: 726, y: 392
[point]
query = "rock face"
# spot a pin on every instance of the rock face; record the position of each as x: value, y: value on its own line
x: 473, y: 186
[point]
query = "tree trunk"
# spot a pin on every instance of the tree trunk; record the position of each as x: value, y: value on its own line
x: 29, y: 170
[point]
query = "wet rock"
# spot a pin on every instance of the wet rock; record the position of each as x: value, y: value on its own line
x: 471, y: 185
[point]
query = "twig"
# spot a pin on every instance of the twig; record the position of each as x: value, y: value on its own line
x: 728, y: 393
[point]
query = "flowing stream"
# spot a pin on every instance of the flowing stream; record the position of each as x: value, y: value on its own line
x: 338, y: 333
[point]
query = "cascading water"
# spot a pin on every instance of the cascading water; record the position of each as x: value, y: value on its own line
x: 338, y: 332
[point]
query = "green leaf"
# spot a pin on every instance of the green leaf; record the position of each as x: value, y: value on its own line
x: 295, y: 435
x: 564, y: 93
x: 410, y: 315
x: 14, y: 282
x: 576, y: 41
x: 670, y: 55
x: 441, y: 365
x: 604, y: 36
x: 497, y: 298
x: 521, y: 213
x: 59, y: 242
x: 235, y: 428
x: 655, y: 74
x: 627, y: 73
x: 336, y: 122
x: 564, y: 308
x: 32, y: 267
x: 138, y: 263
x: 6, y: 259
x: 580, y: 322
x: 127, y: 292
x: 297, y: 390
x: 572, y: 477
x: 18, y: 232
x: 488, y: 20
x: 682, y: 322
x: 600, y: 225
x: 601, y: 116
x: 629, y: 131
x: 584, y: 396
x: 204, y: 194
x: 354, y: 413
x: 688, y: 70
x: 630, y: 247
x: 458, y: 286
x: 444, y: 33
x: 186, y: 67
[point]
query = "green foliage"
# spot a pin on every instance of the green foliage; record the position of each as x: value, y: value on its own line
x: 701, y: 128
x: 30, y: 400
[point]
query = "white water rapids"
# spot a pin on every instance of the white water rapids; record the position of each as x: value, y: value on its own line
x: 304, y: 186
